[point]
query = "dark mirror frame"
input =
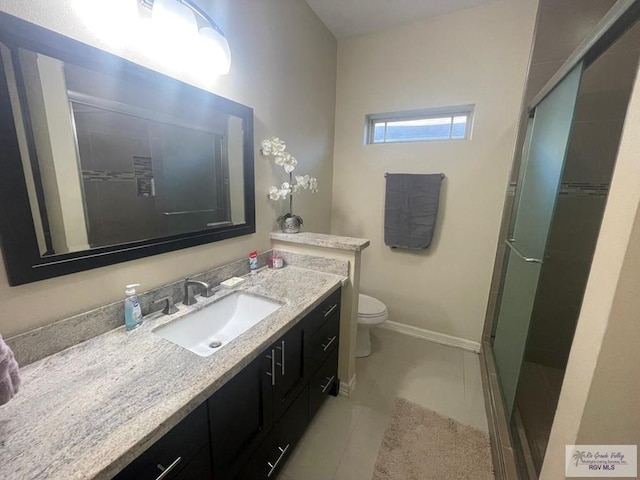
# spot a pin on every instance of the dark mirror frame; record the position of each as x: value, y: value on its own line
x: 22, y: 258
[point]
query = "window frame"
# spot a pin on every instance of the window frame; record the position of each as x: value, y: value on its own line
x: 421, y: 114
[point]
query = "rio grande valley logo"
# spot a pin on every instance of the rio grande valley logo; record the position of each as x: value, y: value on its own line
x: 601, y: 461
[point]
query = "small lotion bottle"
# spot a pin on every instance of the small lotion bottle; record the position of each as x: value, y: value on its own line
x: 132, y: 310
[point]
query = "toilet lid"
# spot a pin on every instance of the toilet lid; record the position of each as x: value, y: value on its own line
x: 369, y: 306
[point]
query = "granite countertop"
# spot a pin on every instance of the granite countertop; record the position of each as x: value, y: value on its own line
x: 323, y: 240
x: 88, y: 411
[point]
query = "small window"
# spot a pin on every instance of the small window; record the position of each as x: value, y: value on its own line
x: 448, y: 123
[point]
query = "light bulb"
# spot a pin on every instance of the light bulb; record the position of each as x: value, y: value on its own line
x: 214, y: 49
x: 175, y: 17
x: 113, y: 21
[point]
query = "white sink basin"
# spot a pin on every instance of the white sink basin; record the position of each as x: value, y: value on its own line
x: 206, y: 331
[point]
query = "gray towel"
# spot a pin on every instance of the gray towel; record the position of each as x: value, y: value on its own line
x: 411, y: 207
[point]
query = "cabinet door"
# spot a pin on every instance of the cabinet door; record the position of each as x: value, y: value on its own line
x: 269, y: 459
x: 289, y: 369
x: 199, y: 468
x: 241, y: 415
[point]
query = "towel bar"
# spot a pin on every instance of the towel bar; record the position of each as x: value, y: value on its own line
x: 387, y: 173
x: 189, y: 211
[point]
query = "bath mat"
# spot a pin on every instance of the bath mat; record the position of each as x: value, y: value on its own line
x: 419, y: 444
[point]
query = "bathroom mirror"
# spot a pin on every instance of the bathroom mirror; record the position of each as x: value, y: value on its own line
x: 106, y: 161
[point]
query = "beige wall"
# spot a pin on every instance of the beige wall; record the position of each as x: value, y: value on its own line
x: 283, y: 66
x: 615, y: 380
x: 599, y: 402
x: 474, y: 56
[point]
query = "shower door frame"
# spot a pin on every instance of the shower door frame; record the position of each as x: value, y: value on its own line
x: 622, y: 16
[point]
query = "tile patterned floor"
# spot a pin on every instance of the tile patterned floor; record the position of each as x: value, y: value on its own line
x: 343, y: 440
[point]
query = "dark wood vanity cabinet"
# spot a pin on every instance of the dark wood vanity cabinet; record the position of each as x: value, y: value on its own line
x: 248, y: 429
x: 312, y: 348
x: 243, y: 412
x: 300, y: 369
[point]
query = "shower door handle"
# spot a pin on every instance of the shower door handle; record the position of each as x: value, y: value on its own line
x: 509, y: 243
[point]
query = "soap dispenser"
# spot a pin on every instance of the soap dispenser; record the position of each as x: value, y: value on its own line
x: 132, y: 310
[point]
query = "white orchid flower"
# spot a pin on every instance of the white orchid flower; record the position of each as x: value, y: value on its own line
x: 277, y: 148
x: 274, y: 193
x: 303, y: 181
x: 273, y: 146
x: 290, y: 163
x: 277, y: 145
x: 285, y: 190
x: 265, y: 147
x: 313, y: 184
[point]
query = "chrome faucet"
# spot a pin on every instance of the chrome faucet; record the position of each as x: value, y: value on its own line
x: 189, y: 296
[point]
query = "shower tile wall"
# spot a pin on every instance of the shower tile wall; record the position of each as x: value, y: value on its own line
x: 107, y: 144
x: 599, y: 118
x: 561, y: 26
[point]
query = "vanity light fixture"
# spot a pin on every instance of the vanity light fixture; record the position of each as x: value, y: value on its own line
x: 116, y: 22
x: 177, y: 33
x: 192, y: 34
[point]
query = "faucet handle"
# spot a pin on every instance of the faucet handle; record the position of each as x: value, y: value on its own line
x: 169, y: 307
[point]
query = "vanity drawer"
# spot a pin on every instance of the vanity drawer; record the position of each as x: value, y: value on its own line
x: 175, y: 450
x: 323, y: 383
x: 323, y: 342
x: 268, y: 460
x: 329, y: 308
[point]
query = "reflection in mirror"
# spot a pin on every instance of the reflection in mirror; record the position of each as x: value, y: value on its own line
x: 113, y: 161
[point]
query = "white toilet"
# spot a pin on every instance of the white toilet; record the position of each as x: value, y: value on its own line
x: 371, y: 312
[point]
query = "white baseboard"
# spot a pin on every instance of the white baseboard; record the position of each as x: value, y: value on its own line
x: 346, y: 388
x: 431, y: 336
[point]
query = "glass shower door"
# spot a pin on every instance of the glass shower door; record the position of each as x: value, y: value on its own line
x: 542, y: 165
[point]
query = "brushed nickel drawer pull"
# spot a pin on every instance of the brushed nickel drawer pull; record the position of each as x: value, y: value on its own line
x: 272, y: 373
x: 328, y: 312
x: 329, y: 382
x: 273, y: 467
x: 166, y: 471
x: 281, y: 365
x: 328, y: 344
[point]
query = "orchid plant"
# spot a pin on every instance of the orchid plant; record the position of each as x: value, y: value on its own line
x: 276, y: 148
